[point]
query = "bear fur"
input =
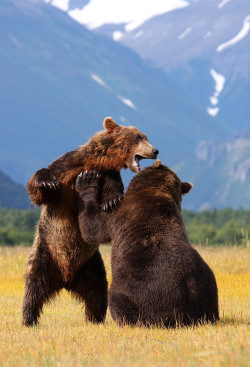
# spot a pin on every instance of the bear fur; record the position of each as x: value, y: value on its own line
x: 157, y: 276
x: 60, y: 258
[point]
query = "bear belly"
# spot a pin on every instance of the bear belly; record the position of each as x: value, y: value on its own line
x: 63, y: 239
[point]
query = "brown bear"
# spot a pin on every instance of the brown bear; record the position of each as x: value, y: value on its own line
x: 157, y: 276
x: 60, y: 258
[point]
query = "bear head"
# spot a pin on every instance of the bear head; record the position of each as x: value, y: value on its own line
x: 119, y: 147
x: 160, y: 180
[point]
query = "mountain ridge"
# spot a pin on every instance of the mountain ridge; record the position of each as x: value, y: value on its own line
x: 188, y: 43
x: 50, y: 81
x: 12, y: 195
x: 59, y: 80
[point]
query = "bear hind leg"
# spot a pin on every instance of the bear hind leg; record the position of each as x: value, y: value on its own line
x: 90, y: 286
x: 41, y: 284
x: 123, y: 310
x: 34, y: 299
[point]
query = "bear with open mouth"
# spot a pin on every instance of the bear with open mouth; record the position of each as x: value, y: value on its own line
x: 60, y: 258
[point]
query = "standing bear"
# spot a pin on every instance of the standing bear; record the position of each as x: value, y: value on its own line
x: 60, y: 258
x: 157, y: 276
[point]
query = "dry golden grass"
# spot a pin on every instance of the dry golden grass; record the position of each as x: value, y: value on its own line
x: 64, y: 339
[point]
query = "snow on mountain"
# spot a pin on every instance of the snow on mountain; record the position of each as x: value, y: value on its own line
x: 63, y: 79
x: 132, y: 13
x: 219, y: 85
x: 60, y: 4
x: 243, y: 33
x: 117, y: 35
x: 191, y: 41
x: 185, y: 33
x: 127, y: 101
x: 223, y: 3
x: 185, y: 38
x: 213, y: 111
x: 98, y: 80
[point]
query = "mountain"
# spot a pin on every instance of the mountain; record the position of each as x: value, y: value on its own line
x: 131, y: 13
x: 58, y: 81
x: 12, y: 194
x: 221, y: 173
x: 204, y: 45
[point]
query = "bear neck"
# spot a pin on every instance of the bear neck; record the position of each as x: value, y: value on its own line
x: 103, y: 154
x: 67, y: 167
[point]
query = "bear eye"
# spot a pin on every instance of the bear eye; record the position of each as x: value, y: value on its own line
x: 138, y: 138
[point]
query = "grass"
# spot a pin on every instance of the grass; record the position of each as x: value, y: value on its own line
x: 63, y: 338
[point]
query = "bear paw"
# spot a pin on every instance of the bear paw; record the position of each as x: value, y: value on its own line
x: 44, y: 179
x: 87, y: 178
x: 111, y: 204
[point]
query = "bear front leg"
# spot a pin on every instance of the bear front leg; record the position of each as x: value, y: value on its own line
x: 44, y: 188
x: 91, y: 219
x: 90, y: 286
x: 88, y: 187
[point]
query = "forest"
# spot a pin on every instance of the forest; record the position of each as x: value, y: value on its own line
x: 209, y: 227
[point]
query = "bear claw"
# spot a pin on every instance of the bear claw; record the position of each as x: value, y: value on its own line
x: 86, y: 177
x: 111, y: 204
x: 49, y: 185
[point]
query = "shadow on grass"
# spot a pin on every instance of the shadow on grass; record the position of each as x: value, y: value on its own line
x: 224, y: 321
x: 234, y: 320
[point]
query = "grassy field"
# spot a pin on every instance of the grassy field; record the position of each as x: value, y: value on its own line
x: 64, y: 339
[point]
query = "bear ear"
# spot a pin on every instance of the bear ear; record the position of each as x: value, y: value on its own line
x: 157, y: 163
x: 109, y: 124
x: 186, y: 187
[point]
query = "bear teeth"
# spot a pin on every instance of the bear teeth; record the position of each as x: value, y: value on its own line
x: 136, y: 163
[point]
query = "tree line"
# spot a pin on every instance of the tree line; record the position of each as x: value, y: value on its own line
x: 210, y: 227
x: 218, y: 227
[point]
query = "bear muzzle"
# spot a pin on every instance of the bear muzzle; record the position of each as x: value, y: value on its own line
x: 144, y: 150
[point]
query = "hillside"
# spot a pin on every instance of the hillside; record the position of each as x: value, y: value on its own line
x: 12, y: 194
x: 59, y: 80
x: 63, y: 80
x: 221, y: 172
x: 203, y: 45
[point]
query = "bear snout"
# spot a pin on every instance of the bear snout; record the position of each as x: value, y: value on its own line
x: 155, y: 152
